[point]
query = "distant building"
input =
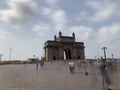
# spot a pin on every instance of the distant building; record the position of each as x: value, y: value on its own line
x: 32, y: 60
x: 1, y: 57
x: 64, y: 48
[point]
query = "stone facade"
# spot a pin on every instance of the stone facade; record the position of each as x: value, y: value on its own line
x: 64, y: 48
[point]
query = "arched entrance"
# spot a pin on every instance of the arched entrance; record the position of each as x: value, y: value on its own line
x: 67, y: 54
x: 54, y: 58
x: 78, y: 56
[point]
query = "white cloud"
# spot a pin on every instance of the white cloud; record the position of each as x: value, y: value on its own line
x: 81, y: 16
x: 58, y: 17
x: 52, y: 2
x: 100, y: 10
x: 109, y: 33
x: 41, y: 29
x: 108, y: 36
x: 3, y: 34
x: 47, y: 11
x: 83, y: 32
x: 105, y: 34
x: 19, y: 12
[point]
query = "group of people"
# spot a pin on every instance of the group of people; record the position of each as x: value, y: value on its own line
x: 103, y: 67
x: 106, y: 68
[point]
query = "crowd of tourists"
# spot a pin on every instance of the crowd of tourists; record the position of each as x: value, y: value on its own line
x: 105, y: 68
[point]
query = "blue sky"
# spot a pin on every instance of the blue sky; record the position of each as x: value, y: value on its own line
x: 26, y: 24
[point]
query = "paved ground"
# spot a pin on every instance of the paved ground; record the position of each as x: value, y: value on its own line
x: 53, y: 77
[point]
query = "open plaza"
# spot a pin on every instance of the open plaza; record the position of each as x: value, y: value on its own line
x: 54, y: 76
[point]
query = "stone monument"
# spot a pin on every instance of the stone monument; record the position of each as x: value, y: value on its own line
x: 64, y: 48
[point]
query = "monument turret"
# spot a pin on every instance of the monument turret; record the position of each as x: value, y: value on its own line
x: 55, y: 37
x: 60, y: 34
x: 73, y: 35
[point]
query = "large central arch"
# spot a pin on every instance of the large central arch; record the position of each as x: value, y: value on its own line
x: 67, y: 54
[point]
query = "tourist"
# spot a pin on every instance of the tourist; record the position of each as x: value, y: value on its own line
x: 79, y: 63
x: 71, y: 66
x: 37, y: 64
x: 103, y: 70
x: 42, y: 63
x: 110, y: 66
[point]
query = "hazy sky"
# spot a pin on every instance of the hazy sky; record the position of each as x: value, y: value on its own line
x: 26, y: 24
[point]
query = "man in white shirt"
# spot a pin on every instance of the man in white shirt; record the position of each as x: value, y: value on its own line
x: 71, y: 66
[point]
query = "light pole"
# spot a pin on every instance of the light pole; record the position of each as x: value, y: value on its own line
x: 98, y: 52
x: 10, y: 53
x: 104, y: 49
x: 112, y: 56
x: 1, y: 57
x: 95, y: 56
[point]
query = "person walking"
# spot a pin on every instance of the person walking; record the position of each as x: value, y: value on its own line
x: 42, y: 63
x: 71, y: 66
x: 37, y: 64
x: 104, y: 73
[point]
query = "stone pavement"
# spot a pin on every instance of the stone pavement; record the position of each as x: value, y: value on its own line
x: 54, y: 76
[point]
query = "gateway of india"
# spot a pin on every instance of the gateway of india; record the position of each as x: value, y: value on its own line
x: 64, y: 48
